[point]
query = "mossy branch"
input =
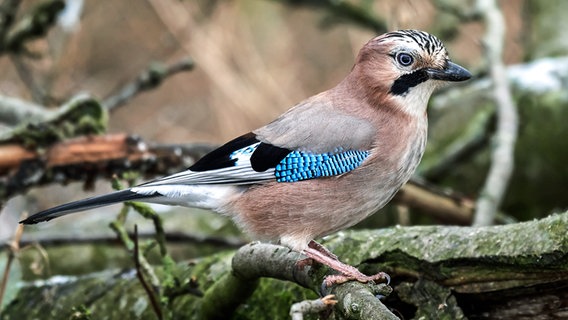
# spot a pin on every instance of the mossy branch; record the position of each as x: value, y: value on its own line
x: 437, y: 272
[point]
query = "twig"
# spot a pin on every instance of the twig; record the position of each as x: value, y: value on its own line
x: 152, y: 77
x: 147, y: 212
x: 502, y: 156
x: 12, y: 253
x: 129, y: 244
x: 139, y: 273
x: 299, y: 309
x: 170, y: 287
x: 170, y: 237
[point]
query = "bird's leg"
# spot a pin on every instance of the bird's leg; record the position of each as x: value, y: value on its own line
x: 317, y: 246
x: 320, y: 254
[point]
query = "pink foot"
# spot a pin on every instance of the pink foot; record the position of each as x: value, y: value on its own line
x: 319, y: 253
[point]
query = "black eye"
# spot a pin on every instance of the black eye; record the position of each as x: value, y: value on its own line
x: 404, y: 59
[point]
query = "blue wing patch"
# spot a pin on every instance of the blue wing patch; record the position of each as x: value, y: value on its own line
x: 298, y: 166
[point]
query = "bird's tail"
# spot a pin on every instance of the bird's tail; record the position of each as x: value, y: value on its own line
x: 85, y: 204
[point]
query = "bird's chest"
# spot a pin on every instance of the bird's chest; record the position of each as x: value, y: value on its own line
x: 415, y: 147
x: 391, y: 164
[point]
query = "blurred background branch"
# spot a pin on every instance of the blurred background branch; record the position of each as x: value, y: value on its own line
x: 502, y: 156
x: 147, y: 80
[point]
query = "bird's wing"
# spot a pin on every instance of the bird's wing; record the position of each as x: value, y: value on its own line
x: 309, y: 141
x: 229, y: 164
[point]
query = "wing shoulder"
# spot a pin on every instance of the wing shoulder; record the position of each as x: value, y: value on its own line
x: 315, y: 126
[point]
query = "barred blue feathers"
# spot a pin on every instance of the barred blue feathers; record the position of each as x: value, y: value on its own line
x: 298, y: 166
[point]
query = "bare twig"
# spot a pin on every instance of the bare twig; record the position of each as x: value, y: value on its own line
x: 299, y: 309
x: 147, y: 212
x: 148, y: 79
x: 12, y: 253
x: 139, y: 273
x: 502, y: 156
x: 118, y: 227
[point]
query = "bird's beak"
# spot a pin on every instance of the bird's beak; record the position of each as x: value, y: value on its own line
x: 452, y: 72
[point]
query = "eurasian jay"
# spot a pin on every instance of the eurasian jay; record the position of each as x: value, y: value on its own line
x: 325, y: 164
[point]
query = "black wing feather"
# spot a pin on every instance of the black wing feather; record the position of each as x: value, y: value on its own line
x: 267, y: 156
x: 221, y: 157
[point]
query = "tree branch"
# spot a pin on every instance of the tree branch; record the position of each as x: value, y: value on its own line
x: 87, y: 158
x: 257, y: 260
x: 502, y: 156
x: 299, y: 309
x: 149, y: 79
x: 14, y: 111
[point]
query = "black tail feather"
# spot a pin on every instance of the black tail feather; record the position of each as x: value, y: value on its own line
x: 85, y: 204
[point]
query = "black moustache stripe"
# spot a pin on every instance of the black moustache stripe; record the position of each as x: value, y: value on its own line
x: 402, y: 85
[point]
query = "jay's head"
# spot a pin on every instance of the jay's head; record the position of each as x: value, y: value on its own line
x: 406, y: 66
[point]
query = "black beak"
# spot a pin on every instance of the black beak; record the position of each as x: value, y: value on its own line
x: 452, y: 72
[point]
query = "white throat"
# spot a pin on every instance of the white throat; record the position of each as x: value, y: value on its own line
x: 415, y: 101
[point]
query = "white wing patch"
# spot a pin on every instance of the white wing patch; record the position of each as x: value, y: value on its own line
x: 239, y: 174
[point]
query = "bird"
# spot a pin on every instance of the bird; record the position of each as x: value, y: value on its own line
x: 322, y: 166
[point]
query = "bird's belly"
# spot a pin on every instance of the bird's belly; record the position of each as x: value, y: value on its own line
x: 298, y: 212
